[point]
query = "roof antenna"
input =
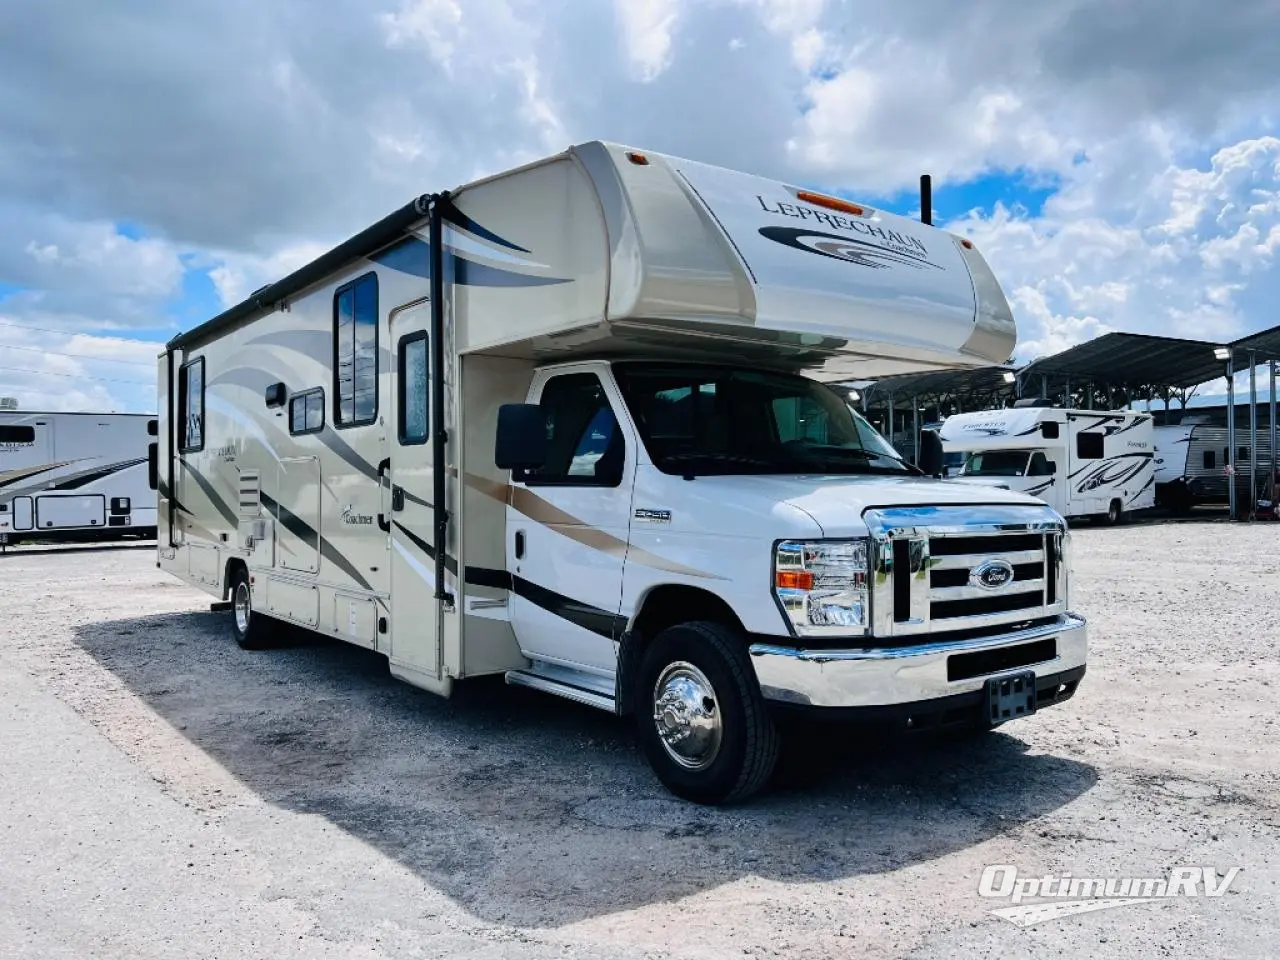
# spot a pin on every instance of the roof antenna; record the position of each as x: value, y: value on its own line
x: 926, y: 199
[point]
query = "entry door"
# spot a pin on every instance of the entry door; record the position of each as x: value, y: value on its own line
x: 408, y: 501
x: 567, y: 528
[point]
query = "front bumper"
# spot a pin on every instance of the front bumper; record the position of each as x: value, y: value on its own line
x: 887, y: 676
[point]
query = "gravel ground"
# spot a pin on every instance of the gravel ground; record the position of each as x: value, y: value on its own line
x: 164, y: 794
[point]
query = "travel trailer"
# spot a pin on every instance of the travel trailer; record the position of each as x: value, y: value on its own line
x: 1191, y: 464
x: 74, y: 476
x: 1083, y: 463
x: 571, y: 425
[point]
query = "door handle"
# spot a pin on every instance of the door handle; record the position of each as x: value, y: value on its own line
x: 519, y: 544
x: 383, y: 523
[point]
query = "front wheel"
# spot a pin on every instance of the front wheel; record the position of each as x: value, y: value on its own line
x: 249, y: 629
x: 700, y: 717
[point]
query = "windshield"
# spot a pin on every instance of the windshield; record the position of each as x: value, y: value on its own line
x: 997, y: 463
x: 697, y: 420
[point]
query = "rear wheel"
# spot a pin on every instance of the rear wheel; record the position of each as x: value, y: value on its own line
x: 700, y: 717
x: 252, y: 631
x: 1115, y: 513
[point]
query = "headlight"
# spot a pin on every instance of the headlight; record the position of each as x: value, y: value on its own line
x: 822, y: 586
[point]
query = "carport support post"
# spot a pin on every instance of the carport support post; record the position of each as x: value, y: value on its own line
x: 1231, y: 434
x: 1253, y: 435
x: 915, y: 429
x: 1271, y: 428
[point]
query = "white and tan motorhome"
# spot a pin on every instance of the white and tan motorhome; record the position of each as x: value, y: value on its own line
x: 75, y: 476
x: 570, y: 425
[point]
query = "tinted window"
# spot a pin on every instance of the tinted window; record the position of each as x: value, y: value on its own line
x: 584, y: 441
x: 355, y: 324
x: 414, y: 380
x: 997, y: 463
x: 1089, y: 446
x: 15, y: 434
x: 1039, y: 465
x: 1049, y: 430
x: 1210, y: 460
x: 191, y: 402
x: 306, y: 412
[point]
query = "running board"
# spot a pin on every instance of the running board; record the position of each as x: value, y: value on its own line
x: 521, y: 678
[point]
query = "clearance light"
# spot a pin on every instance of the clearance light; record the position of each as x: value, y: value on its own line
x: 831, y: 203
x: 967, y: 244
x: 639, y: 159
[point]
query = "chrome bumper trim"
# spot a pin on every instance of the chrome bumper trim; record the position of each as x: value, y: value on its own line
x: 877, y: 676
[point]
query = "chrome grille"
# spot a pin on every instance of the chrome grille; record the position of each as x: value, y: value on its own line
x: 929, y: 561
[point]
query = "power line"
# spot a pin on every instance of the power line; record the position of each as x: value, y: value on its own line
x: 79, y: 333
x: 76, y: 376
x: 77, y: 356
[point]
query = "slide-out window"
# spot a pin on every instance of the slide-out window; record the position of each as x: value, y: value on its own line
x: 191, y: 403
x: 1089, y: 446
x: 14, y: 433
x: 306, y: 412
x: 355, y: 349
x: 413, y: 377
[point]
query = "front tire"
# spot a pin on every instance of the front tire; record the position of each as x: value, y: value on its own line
x: 700, y: 718
x: 250, y: 629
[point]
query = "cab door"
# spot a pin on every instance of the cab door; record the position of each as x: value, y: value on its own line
x: 408, y: 516
x: 568, y: 524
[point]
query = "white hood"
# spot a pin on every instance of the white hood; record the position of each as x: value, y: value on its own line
x: 836, y: 503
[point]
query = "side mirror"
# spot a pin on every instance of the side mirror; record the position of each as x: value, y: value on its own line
x: 930, y: 453
x: 153, y: 465
x: 521, y: 442
x: 153, y: 428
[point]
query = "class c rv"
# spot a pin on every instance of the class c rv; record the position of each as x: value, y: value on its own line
x: 571, y: 425
x: 1083, y: 463
x: 75, y: 476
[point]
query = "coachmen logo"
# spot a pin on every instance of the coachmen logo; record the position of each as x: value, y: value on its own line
x: 992, y: 574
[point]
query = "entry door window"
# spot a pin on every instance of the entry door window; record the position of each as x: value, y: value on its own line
x: 584, y: 441
x: 414, y: 380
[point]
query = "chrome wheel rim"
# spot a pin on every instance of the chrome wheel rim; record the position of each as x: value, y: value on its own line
x: 686, y: 713
x: 242, y: 607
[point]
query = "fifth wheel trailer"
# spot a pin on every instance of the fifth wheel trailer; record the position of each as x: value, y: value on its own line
x: 75, y: 476
x: 1083, y: 463
x: 571, y: 425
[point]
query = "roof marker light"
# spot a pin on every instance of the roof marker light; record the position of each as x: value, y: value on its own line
x: 967, y: 244
x: 831, y: 203
x: 639, y: 159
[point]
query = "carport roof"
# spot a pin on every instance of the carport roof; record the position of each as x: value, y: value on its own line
x: 1133, y: 358
x: 1265, y: 344
x: 942, y: 383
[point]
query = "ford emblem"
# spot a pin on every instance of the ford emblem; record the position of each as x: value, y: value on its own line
x: 992, y: 574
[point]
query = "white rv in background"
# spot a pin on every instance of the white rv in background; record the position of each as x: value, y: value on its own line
x: 1083, y: 463
x: 571, y: 425
x: 1192, y: 459
x: 75, y: 476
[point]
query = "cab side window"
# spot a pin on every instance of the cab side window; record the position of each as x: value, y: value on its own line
x: 1039, y: 465
x: 584, y: 441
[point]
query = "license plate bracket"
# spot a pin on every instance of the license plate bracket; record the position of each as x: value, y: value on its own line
x: 1009, y: 697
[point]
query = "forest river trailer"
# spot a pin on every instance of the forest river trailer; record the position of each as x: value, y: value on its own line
x: 571, y: 424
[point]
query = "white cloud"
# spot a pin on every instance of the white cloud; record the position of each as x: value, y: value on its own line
x: 238, y: 275
x: 646, y: 27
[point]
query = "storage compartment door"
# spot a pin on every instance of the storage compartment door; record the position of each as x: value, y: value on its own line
x: 23, y: 513
x: 69, y: 512
x: 298, y: 515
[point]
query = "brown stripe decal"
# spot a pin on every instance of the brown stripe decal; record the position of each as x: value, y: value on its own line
x: 541, y: 511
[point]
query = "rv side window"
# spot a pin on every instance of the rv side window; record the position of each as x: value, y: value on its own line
x: 10, y: 433
x: 1242, y: 455
x: 1210, y: 460
x: 412, y: 379
x: 1049, y: 430
x: 1089, y: 446
x: 584, y: 441
x: 355, y: 351
x: 306, y: 412
x: 191, y: 402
